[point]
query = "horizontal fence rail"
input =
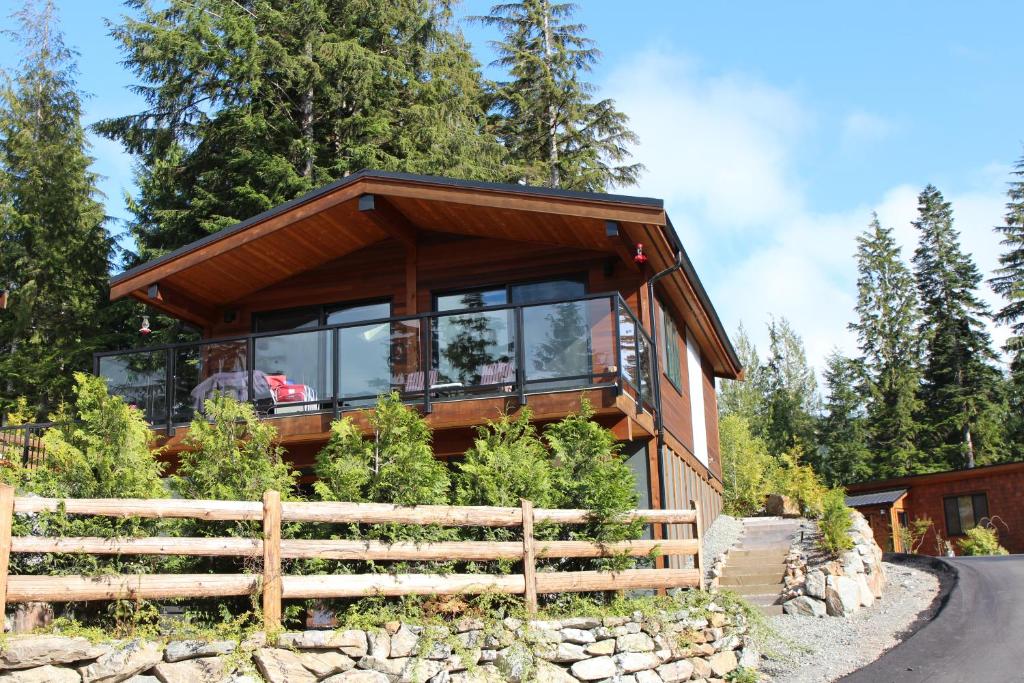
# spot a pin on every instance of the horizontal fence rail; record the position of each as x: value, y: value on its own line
x: 276, y: 587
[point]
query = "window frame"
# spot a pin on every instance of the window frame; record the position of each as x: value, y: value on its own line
x: 507, y: 286
x: 666, y: 319
x: 974, y: 496
x: 321, y: 311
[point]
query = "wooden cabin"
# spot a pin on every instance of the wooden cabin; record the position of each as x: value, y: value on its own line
x: 467, y: 298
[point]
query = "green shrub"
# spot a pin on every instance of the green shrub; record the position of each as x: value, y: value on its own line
x: 232, y: 455
x: 981, y: 541
x: 745, y: 467
x: 394, y: 465
x: 589, y: 472
x: 100, y: 449
x: 789, y: 477
x: 507, y: 462
x: 835, y: 522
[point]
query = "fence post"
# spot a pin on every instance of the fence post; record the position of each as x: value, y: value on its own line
x: 529, y: 558
x: 271, y: 561
x: 6, y: 518
x: 699, y: 558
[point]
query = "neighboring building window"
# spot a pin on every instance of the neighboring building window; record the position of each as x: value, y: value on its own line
x: 964, y: 512
x: 671, y: 343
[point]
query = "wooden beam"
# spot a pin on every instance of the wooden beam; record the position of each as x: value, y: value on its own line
x: 412, y: 256
x: 166, y: 298
x: 388, y: 218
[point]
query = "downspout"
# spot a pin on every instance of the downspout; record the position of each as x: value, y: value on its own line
x: 659, y: 423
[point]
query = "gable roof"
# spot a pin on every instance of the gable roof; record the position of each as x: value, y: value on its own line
x: 325, y: 223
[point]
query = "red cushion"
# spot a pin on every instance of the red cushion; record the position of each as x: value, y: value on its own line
x: 276, y: 380
x: 287, y: 393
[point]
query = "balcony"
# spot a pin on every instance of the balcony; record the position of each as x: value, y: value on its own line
x: 508, y: 351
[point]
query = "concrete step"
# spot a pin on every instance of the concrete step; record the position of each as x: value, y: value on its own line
x: 754, y: 569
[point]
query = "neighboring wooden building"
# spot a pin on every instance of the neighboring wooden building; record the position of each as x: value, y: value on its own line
x: 954, y: 501
x: 467, y: 298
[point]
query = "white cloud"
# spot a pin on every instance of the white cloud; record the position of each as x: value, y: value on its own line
x: 720, y: 149
x: 861, y: 127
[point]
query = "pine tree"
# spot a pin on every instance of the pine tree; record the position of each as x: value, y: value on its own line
x: 887, y: 333
x: 54, y: 248
x: 791, y: 398
x: 253, y: 102
x: 843, y: 456
x: 545, y: 114
x: 1009, y: 282
x: 962, y: 406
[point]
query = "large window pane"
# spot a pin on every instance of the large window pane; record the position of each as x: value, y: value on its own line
x: 207, y: 370
x: 557, y: 344
x: 365, y: 362
x: 344, y: 313
x: 297, y: 368
x: 476, y: 299
x: 547, y: 290
x: 140, y: 378
x: 471, y: 347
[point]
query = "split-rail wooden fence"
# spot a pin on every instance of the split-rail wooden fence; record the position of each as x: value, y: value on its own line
x: 276, y: 587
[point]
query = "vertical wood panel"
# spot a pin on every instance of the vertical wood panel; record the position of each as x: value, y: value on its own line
x: 271, y: 561
x: 6, y: 519
x: 529, y: 557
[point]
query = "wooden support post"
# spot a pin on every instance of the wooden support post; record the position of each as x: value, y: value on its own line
x: 271, y: 561
x: 6, y: 519
x: 698, y: 560
x: 529, y: 558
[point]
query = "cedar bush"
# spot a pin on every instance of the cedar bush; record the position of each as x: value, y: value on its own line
x: 835, y: 522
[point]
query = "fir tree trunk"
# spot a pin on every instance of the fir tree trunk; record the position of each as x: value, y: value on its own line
x: 968, y: 446
x: 306, y: 121
x: 552, y: 109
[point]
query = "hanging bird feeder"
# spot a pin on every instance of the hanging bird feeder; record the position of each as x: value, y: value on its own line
x: 144, y: 330
x: 3, y: 299
x: 640, y: 258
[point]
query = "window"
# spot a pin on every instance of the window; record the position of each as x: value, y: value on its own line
x: 670, y: 342
x: 964, y: 512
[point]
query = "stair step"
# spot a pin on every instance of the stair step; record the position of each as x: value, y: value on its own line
x: 751, y: 569
x: 728, y: 579
x: 758, y: 589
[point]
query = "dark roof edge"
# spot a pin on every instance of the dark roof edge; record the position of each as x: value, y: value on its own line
x: 702, y: 294
x: 895, y: 482
x: 387, y: 175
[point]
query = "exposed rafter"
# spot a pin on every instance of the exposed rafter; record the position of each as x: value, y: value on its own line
x: 389, y: 219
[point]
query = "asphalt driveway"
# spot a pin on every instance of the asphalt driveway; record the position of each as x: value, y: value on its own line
x: 977, y: 635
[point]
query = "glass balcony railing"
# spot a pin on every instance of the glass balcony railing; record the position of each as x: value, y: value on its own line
x: 516, y: 350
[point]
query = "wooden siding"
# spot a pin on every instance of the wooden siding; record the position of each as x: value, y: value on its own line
x: 711, y: 420
x: 682, y: 483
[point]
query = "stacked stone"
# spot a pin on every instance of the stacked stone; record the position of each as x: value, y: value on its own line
x: 635, y: 649
x: 841, y: 586
x: 717, y: 569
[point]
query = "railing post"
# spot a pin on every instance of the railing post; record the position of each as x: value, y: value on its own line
x: 698, y: 559
x: 250, y: 361
x: 25, y: 450
x: 169, y: 391
x: 271, y: 561
x: 336, y: 365
x: 426, y: 360
x: 520, y: 356
x: 529, y: 558
x: 617, y: 334
x: 637, y: 343
x: 6, y: 519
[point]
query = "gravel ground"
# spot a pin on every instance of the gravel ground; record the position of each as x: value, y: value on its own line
x: 809, y: 649
x: 723, y: 533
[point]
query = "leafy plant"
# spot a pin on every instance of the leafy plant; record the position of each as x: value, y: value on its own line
x: 981, y: 540
x: 835, y: 522
x: 913, y: 535
x: 507, y: 462
x: 232, y: 455
x: 745, y: 464
x: 395, y: 465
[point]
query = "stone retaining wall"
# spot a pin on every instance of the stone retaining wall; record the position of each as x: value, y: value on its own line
x: 836, y: 587
x: 637, y: 649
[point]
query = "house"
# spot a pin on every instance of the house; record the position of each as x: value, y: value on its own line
x: 467, y: 298
x: 954, y: 501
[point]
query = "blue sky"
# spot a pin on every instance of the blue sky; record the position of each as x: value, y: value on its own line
x: 772, y: 130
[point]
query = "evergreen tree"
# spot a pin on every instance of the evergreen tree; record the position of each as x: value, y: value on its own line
x: 791, y: 392
x: 545, y: 114
x: 1009, y: 282
x: 254, y: 102
x: 54, y: 248
x: 745, y: 398
x: 843, y: 456
x: 887, y: 332
x: 962, y: 410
